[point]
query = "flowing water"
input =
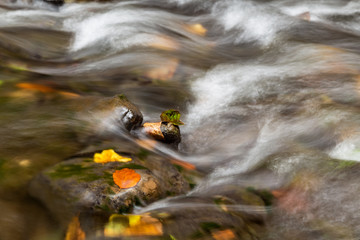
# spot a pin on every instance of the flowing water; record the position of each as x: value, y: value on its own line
x: 269, y: 92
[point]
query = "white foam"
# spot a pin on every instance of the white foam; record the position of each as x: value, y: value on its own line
x: 252, y: 22
x: 349, y: 149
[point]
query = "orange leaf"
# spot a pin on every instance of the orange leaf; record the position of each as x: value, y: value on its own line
x: 164, y: 70
x: 145, y: 226
x: 126, y: 178
x: 133, y: 225
x: 147, y: 143
x: 227, y: 234
x: 164, y: 42
x: 183, y: 164
x: 45, y: 89
x: 33, y: 86
x: 69, y: 94
x: 74, y: 231
x: 197, y: 29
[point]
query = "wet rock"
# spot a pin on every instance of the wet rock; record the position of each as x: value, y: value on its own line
x: 225, y: 216
x: 171, y: 132
x: 233, y: 213
x: 163, y: 131
x: 55, y: 2
x: 117, y: 111
x: 61, y: 2
x: 80, y: 184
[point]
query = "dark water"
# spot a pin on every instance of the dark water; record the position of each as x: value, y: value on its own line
x: 267, y: 89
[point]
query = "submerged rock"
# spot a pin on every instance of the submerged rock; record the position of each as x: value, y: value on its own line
x: 232, y: 213
x: 80, y: 184
x: 117, y: 112
x: 61, y: 2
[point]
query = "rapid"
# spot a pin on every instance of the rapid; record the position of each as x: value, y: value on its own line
x: 269, y: 92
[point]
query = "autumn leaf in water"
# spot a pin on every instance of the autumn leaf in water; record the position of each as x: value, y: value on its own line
x: 183, y: 164
x: 109, y: 156
x: 45, y: 89
x: 227, y: 234
x: 34, y: 86
x: 163, y: 70
x: 172, y: 116
x: 146, y: 143
x: 74, y: 231
x: 164, y: 42
x: 144, y: 226
x: 126, y: 178
x: 197, y: 29
x: 133, y: 225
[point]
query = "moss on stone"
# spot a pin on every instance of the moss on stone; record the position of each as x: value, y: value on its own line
x: 69, y: 170
x: 341, y: 164
x: 209, y: 226
x: 131, y: 166
x: 2, y: 170
x: 143, y: 154
x: 265, y: 195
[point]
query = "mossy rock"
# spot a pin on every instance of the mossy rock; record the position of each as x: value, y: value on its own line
x: 118, y: 110
x: 80, y: 184
x: 191, y: 217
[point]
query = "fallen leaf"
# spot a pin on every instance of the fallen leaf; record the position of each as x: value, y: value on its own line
x: 172, y: 116
x: 74, y: 231
x: 33, y: 86
x: 147, y: 143
x: 134, y: 220
x: 69, y: 94
x: 109, y: 156
x: 197, y: 29
x: 227, y: 234
x: 45, y: 89
x: 126, y: 178
x: 183, y: 164
x: 164, y: 43
x: 164, y: 70
x: 133, y: 225
x: 116, y: 225
x: 147, y: 226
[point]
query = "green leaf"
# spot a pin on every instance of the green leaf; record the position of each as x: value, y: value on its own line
x: 172, y: 116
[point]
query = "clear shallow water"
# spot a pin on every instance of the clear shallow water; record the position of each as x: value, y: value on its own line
x: 262, y: 85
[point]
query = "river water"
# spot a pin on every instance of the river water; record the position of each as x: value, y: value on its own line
x: 269, y: 92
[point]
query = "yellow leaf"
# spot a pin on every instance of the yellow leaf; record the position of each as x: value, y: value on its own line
x: 109, y: 156
x: 133, y: 225
x: 134, y: 220
x: 74, y: 231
